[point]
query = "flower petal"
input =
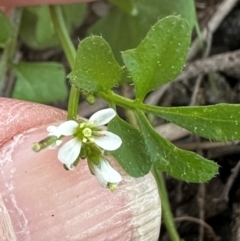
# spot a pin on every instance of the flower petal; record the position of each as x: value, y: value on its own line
x: 69, y: 152
x: 67, y: 128
x: 110, y: 174
x: 102, y: 117
x: 108, y: 141
x: 97, y: 172
x: 53, y: 131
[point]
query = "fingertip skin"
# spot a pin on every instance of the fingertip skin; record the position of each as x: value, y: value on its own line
x: 46, y: 202
x: 17, y: 116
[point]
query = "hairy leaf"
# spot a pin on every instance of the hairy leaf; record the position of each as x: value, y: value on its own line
x: 132, y: 155
x: 183, y: 165
x: 95, y: 66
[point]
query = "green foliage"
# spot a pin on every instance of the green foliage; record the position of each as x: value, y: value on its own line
x: 216, y: 122
x: 123, y: 31
x: 37, y: 29
x: 160, y: 56
x: 126, y: 5
x: 132, y: 155
x: 95, y: 67
x: 40, y: 82
x: 6, y: 29
x: 183, y: 165
x: 73, y: 14
x: 158, y: 59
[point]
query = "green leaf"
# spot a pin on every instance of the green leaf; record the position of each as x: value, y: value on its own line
x: 74, y: 14
x: 160, y: 56
x: 40, y: 82
x: 126, y: 5
x: 132, y: 155
x: 6, y: 29
x: 183, y: 8
x: 123, y: 31
x: 184, y: 165
x: 216, y: 122
x: 95, y: 67
x: 37, y: 30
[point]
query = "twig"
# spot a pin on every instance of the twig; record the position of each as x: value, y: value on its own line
x: 230, y: 181
x: 196, y: 90
x: 201, y: 202
x: 222, y: 11
x: 198, y: 221
x: 155, y: 96
x: 235, y: 225
x: 206, y: 145
x: 200, y: 77
x: 221, y: 62
x: 171, y: 132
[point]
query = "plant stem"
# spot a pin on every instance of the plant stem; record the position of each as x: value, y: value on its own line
x: 110, y: 96
x: 73, y: 103
x: 166, y: 210
x: 61, y: 31
x: 7, y: 57
x: 70, y: 52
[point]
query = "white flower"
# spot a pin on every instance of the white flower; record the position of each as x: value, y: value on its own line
x: 53, y: 131
x: 105, y: 174
x: 87, y: 132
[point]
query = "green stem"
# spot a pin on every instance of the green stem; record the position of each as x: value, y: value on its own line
x: 110, y: 96
x: 61, y: 31
x: 131, y: 118
x: 134, y: 105
x: 73, y: 103
x: 70, y: 52
x: 197, y: 28
x: 166, y: 209
x: 9, y: 51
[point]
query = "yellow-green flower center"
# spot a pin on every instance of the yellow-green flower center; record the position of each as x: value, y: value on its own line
x: 87, y: 132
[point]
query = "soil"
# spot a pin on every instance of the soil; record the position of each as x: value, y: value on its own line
x: 210, y: 211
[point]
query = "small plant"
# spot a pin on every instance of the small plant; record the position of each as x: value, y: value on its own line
x: 157, y: 60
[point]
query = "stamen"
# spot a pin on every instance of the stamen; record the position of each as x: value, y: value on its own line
x: 82, y: 125
x: 87, y: 132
